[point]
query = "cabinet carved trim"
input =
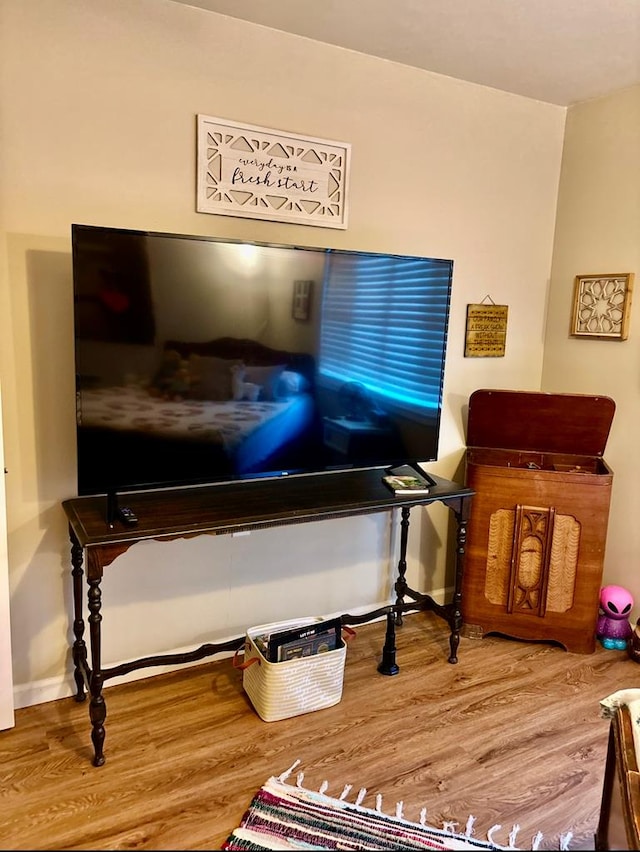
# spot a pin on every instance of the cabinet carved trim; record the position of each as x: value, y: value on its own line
x: 530, y: 566
x: 532, y: 560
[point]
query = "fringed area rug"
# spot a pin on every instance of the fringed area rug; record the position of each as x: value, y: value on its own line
x: 284, y: 816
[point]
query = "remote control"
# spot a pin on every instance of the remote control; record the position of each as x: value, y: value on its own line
x: 127, y: 516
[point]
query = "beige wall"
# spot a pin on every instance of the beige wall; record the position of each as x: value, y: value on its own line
x: 598, y: 231
x: 98, y: 119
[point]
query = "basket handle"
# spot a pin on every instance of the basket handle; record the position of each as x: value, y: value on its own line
x: 347, y: 633
x: 245, y: 665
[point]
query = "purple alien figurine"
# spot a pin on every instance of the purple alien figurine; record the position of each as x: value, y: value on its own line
x: 613, y: 629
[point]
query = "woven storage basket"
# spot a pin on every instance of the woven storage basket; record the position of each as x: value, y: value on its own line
x: 292, y: 687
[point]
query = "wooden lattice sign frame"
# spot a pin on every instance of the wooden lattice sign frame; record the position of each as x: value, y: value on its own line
x: 260, y: 173
x: 602, y: 306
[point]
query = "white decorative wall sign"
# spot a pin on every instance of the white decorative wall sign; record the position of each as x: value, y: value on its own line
x: 259, y: 173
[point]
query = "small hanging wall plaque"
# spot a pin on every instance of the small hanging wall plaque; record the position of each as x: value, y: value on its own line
x: 486, y: 332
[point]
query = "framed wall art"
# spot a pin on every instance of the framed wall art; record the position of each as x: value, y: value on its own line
x: 301, y: 303
x: 601, y: 306
x: 260, y: 173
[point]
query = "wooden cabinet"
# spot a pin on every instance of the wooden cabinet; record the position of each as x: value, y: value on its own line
x: 538, y: 525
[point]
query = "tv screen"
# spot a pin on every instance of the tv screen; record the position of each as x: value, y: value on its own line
x: 201, y: 360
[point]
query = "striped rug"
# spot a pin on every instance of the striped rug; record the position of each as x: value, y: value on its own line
x: 286, y: 816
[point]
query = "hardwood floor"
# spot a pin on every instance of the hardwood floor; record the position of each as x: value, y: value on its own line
x: 511, y: 734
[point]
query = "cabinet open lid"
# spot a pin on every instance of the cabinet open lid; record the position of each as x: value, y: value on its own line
x: 572, y: 424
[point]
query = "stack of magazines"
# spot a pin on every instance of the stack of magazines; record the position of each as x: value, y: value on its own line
x: 304, y: 641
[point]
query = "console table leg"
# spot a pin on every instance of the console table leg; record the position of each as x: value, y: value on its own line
x: 401, y: 582
x: 79, y: 651
x: 456, y: 609
x: 388, y: 665
x: 97, y: 707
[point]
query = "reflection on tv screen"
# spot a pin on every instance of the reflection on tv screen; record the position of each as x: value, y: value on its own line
x: 201, y: 360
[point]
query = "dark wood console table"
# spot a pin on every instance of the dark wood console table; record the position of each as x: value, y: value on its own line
x: 228, y: 508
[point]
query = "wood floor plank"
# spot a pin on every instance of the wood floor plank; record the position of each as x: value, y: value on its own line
x: 511, y: 734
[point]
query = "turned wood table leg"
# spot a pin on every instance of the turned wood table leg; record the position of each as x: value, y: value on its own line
x: 79, y: 650
x: 401, y: 582
x: 97, y: 707
x: 388, y: 665
x: 462, y: 517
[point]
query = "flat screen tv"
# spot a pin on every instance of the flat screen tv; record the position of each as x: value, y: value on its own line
x: 201, y: 360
